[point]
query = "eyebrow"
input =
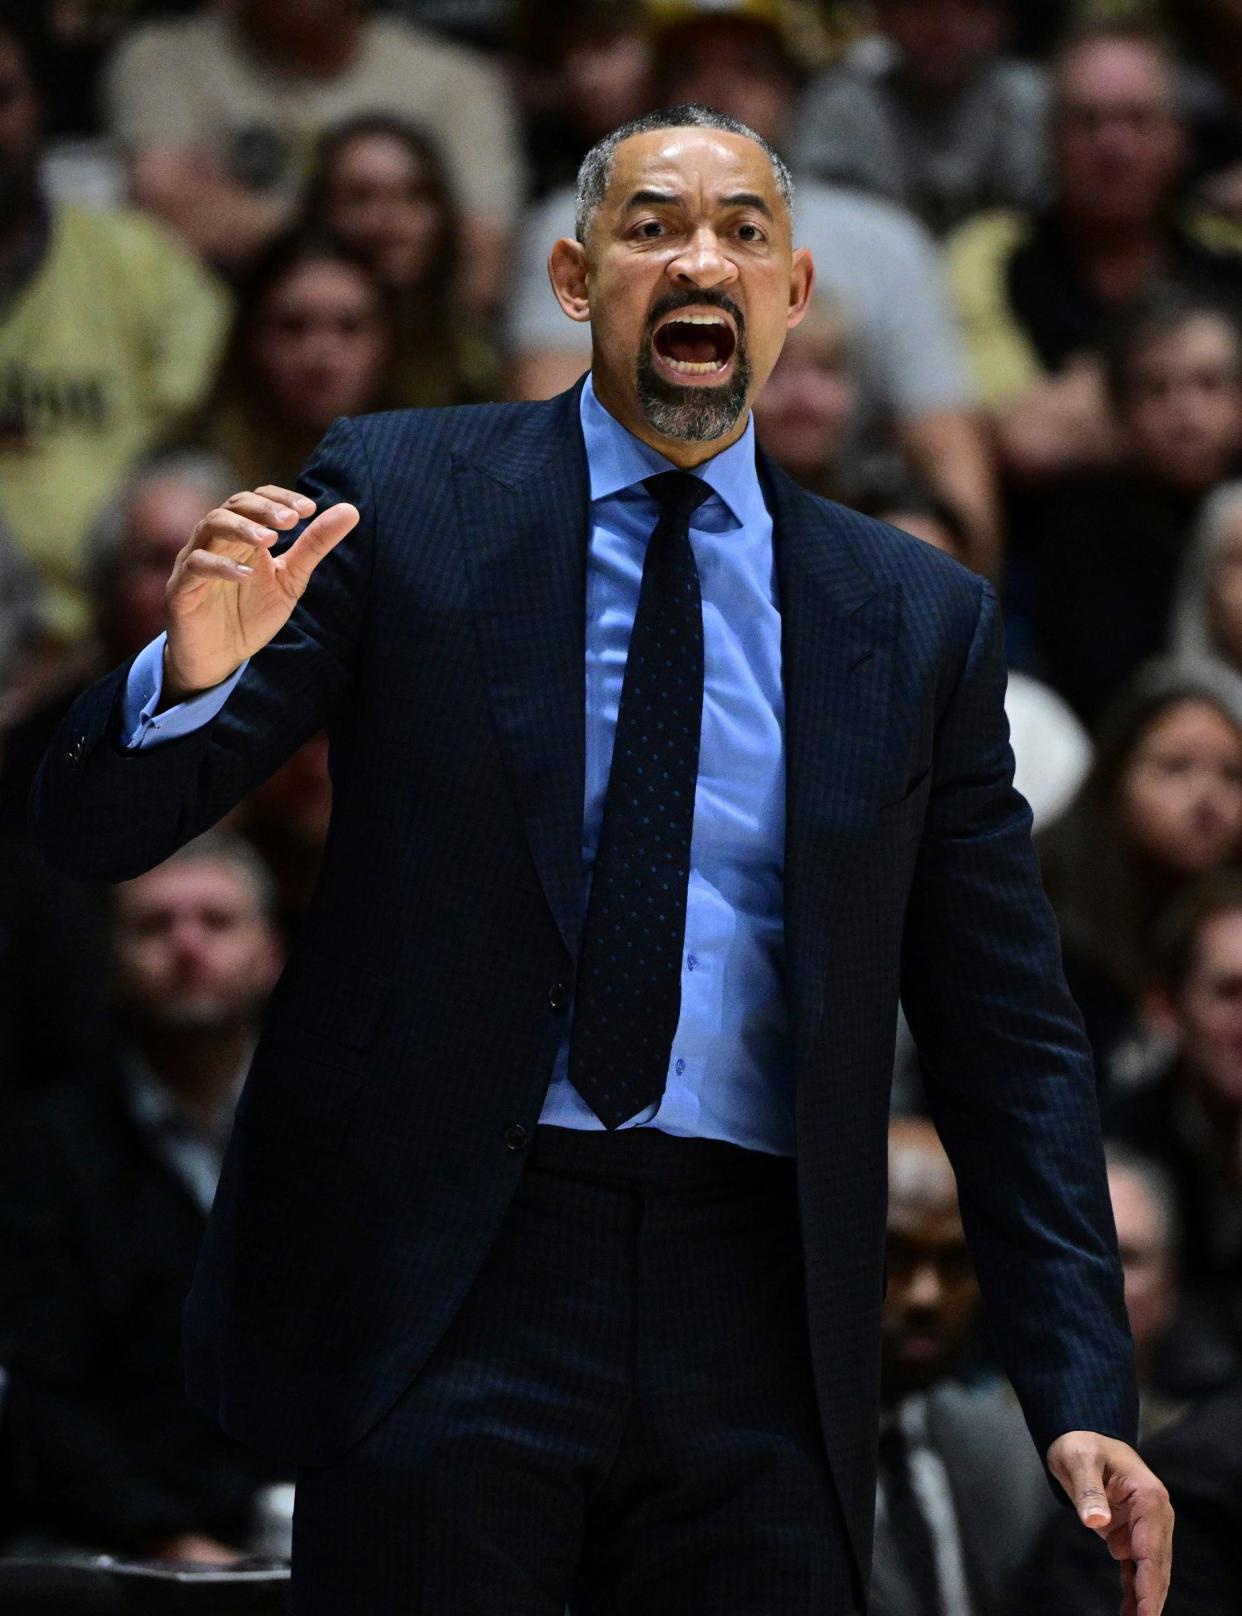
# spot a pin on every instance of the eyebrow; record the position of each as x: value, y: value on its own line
x: 740, y: 199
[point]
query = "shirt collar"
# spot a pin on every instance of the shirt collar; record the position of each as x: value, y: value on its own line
x: 617, y: 460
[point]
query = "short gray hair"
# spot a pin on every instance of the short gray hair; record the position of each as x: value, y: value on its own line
x: 596, y: 170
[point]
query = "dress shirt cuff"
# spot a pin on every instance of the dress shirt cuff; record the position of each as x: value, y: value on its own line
x: 141, y: 725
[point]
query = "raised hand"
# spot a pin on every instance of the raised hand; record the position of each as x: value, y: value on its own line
x: 228, y: 595
x: 1126, y: 1504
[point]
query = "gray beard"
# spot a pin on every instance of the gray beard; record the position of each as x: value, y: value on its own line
x: 693, y: 414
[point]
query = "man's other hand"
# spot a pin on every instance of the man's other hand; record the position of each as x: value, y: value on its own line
x: 1126, y: 1504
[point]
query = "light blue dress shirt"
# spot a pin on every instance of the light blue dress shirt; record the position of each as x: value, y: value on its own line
x: 730, y: 1074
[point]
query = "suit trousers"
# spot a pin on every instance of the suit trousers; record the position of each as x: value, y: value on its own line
x: 620, y: 1416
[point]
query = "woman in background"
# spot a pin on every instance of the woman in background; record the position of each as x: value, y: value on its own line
x: 1161, y: 804
x: 312, y: 339
x: 381, y: 187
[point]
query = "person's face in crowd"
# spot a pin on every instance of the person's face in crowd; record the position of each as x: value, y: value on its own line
x: 944, y: 44
x: 690, y: 282
x: 19, y: 137
x: 320, y: 344
x: 1118, y: 141
x: 193, y: 950
x: 1208, y: 1011
x: 1181, y: 793
x: 604, y: 78
x: 1224, y: 600
x: 932, y: 1297
x: 803, y: 413
x: 160, y: 517
x: 1146, y: 1260
x: 1183, y: 409
x: 737, y: 66
x: 304, y: 21
x: 380, y: 201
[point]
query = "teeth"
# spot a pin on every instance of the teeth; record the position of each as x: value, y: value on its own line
x: 697, y: 319
x: 690, y: 368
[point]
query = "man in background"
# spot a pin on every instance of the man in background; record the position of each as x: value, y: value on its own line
x: 105, y: 1186
x: 941, y: 1546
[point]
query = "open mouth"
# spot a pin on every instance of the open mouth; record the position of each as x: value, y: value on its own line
x: 695, y: 344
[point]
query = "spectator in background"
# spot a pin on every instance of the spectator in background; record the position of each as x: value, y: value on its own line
x: 1188, y: 1117
x: 583, y: 67
x: 942, y: 1547
x: 126, y: 565
x: 1095, y: 562
x: 805, y: 412
x: 877, y: 264
x: 1149, y: 1240
x: 1210, y: 34
x: 1036, y: 290
x: 104, y: 1192
x: 108, y: 334
x: 219, y: 113
x: 380, y: 186
x: 312, y: 339
x: 929, y: 113
x: 1161, y: 805
x: 1200, y: 1459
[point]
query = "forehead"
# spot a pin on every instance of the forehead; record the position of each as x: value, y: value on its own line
x: 186, y: 883
x: 693, y: 163
x: 1114, y: 70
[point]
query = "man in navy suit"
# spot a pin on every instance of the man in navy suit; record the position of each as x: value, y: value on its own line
x: 549, y: 1244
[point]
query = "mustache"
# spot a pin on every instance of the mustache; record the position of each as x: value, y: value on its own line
x: 672, y: 301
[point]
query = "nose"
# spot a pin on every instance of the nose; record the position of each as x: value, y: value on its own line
x: 701, y: 262
x: 924, y: 1290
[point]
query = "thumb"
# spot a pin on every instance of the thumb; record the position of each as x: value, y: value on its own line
x: 317, y: 538
x: 1086, y: 1487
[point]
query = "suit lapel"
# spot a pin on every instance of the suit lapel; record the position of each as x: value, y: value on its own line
x: 524, y: 517
x: 838, y: 628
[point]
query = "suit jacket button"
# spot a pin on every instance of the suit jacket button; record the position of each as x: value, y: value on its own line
x: 558, y: 998
x: 74, y: 754
x: 516, y: 1137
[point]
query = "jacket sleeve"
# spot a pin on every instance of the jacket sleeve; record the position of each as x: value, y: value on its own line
x: 1009, y: 1076
x: 102, y: 812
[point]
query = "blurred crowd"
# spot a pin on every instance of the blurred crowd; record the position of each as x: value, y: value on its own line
x: 223, y: 224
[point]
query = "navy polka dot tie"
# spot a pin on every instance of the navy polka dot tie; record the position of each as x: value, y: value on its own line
x: 628, y: 994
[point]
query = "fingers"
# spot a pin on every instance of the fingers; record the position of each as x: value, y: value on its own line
x: 206, y: 564
x: 1085, y: 1475
x: 276, y: 507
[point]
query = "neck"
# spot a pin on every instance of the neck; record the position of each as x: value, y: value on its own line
x: 200, y: 1068
x: 683, y: 454
x: 1117, y: 258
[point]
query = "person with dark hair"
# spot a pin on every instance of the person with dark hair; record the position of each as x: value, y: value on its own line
x: 929, y: 112
x: 218, y: 114
x: 109, y: 331
x: 380, y: 186
x: 1161, y: 804
x: 1095, y: 560
x: 1185, y: 1112
x: 549, y: 1241
x: 1035, y: 289
x: 312, y: 339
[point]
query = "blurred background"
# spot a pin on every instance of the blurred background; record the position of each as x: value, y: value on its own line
x: 224, y: 224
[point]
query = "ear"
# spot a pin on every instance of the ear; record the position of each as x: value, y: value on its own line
x: 801, y: 285
x: 567, y: 270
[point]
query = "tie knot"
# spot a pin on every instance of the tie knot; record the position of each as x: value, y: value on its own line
x: 677, y: 491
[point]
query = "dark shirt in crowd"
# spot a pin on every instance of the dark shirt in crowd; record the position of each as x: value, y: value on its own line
x: 103, y: 1201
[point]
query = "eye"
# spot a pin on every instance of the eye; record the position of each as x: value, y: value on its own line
x: 750, y: 232
x: 650, y: 228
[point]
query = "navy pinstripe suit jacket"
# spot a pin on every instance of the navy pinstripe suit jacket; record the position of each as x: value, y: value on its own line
x: 442, y: 643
